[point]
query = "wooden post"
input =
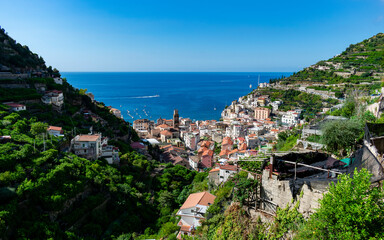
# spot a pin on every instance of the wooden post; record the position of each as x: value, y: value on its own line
x: 295, y: 168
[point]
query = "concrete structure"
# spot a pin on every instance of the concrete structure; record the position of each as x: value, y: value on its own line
x: 193, y: 211
x: 262, y: 113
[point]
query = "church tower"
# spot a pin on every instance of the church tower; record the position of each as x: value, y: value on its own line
x: 176, y: 118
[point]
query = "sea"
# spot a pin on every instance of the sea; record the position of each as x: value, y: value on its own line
x: 196, y: 95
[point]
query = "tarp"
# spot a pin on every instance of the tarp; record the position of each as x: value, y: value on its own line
x: 347, y: 161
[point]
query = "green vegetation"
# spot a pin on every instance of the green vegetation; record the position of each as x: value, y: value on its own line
x: 351, y: 210
x: 287, y: 140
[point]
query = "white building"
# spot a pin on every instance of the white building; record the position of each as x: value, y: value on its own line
x: 194, y: 162
x: 55, y: 131
x: 193, y: 211
x: 191, y: 140
x: 16, y: 107
x: 227, y: 171
x: 54, y: 97
x: 111, y: 154
x: 87, y: 146
x: 290, y: 118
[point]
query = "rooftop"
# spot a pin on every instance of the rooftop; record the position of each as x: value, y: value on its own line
x: 201, y: 198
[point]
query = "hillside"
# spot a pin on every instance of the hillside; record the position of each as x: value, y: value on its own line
x: 360, y: 62
x: 17, y: 58
x: 46, y: 191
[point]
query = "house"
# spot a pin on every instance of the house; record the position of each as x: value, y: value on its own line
x: 206, y: 159
x: 191, y: 140
x: 116, y: 112
x: 224, y: 153
x: 54, y: 98
x: 165, y: 135
x: 194, y: 162
x: 290, y: 118
x: 87, y: 146
x: 227, y: 171
x: 55, y: 131
x: 143, y: 125
x: 111, y: 154
x: 227, y: 144
x: 193, y: 211
x: 16, y: 107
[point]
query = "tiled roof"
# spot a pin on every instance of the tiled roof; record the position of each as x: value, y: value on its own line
x: 227, y: 140
x: 229, y: 167
x: 233, y: 151
x: 185, y: 228
x: 201, y: 198
x: 54, y: 128
x: 88, y: 138
x: 14, y: 104
x: 224, y: 152
x: 166, y: 133
x: 215, y: 170
x: 208, y: 152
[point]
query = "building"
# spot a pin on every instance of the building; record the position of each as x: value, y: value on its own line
x: 262, y: 113
x: 206, y: 159
x: 116, y: 112
x: 227, y: 171
x: 111, y: 154
x: 16, y: 107
x: 191, y: 140
x: 54, y: 98
x: 165, y: 135
x: 290, y: 118
x: 194, y: 162
x: 193, y: 211
x: 227, y: 144
x: 214, y: 176
x: 176, y: 121
x: 87, y: 146
x: 143, y: 125
x: 55, y: 131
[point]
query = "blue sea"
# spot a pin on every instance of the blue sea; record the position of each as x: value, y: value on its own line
x: 154, y: 95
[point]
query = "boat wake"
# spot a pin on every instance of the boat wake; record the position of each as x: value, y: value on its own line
x: 126, y: 97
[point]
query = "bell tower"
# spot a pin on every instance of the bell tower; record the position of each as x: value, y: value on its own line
x: 176, y: 118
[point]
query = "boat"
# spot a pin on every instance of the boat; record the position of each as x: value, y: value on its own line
x: 250, y: 85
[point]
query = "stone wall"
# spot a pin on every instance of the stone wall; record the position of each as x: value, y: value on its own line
x: 278, y: 193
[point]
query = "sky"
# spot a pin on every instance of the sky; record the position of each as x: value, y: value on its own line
x: 191, y: 36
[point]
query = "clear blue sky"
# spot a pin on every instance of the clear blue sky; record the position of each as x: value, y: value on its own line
x: 210, y: 35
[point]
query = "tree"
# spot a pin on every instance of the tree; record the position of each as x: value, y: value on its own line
x: 352, y: 209
x: 340, y: 134
x: 38, y: 128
